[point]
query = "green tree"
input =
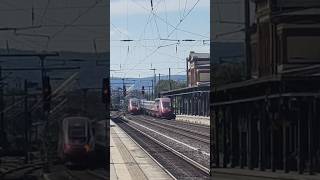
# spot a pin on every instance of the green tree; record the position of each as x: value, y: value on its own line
x: 164, y: 85
x: 228, y: 73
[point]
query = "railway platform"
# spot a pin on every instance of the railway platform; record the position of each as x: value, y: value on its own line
x: 256, y: 174
x: 129, y: 161
x: 203, y: 120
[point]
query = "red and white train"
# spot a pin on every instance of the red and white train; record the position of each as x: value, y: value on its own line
x: 76, y: 140
x: 134, y: 106
x: 160, y: 108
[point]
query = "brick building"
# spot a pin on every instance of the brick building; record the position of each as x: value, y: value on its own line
x: 271, y: 122
x: 198, y: 69
x: 286, y: 38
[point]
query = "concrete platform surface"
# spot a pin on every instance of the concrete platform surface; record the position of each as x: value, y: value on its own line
x: 204, y: 120
x: 128, y: 161
x: 267, y: 174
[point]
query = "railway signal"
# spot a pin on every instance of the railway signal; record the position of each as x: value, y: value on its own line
x: 105, y: 90
x: 142, y: 90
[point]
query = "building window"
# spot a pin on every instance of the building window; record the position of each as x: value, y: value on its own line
x: 303, y: 49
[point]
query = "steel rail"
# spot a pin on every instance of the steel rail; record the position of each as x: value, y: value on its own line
x: 96, y: 174
x: 195, y: 125
x: 182, y: 156
x: 31, y: 167
x: 74, y: 175
x: 167, y: 171
x: 183, y: 129
x: 173, y: 129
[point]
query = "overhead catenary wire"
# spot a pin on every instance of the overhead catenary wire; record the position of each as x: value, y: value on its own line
x: 59, y: 22
x: 183, y: 18
x: 153, y: 12
x: 149, y: 55
x: 152, y: 45
x: 157, y: 47
x: 169, y: 24
x: 149, y: 20
x: 57, y: 8
x: 74, y: 20
x: 234, y: 27
x: 185, y: 7
x: 165, y: 6
x: 45, y: 11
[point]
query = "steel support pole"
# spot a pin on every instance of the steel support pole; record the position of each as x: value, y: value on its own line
x: 272, y: 146
x: 299, y: 150
x: 249, y: 141
x: 262, y: 122
x: 152, y: 96
x: 2, y: 130
x: 46, y: 167
x: 285, y: 147
x: 300, y: 159
x: 233, y: 139
x: 187, y: 72
x: 3, y: 137
x: 311, y: 119
x: 217, y: 148
x: 26, y: 121
x: 225, y: 148
x: 159, y: 87
x: 154, y: 85
x: 241, y: 154
x: 170, y: 85
x: 247, y: 37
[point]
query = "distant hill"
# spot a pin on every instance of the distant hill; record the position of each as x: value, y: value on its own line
x: 92, y: 70
x: 137, y: 83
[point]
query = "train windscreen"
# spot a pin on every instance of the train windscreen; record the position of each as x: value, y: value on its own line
x: 166, y: 105
x: 77, y: 134
x: 134, y: 103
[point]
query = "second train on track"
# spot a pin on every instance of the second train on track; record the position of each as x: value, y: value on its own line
x: 160, y: 107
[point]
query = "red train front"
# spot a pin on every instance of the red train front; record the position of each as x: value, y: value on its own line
x: 163, y: 106
x: 134, y: 106
x: 76, y: 141
x: 160, y: 108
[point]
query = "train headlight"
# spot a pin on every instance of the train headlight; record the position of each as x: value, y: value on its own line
x: 87, y: 148
x: 67, y: 147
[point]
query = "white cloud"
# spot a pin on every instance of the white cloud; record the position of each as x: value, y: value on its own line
x: 119, y: 7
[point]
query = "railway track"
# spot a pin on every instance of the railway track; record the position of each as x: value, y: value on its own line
x: 12, y: 170
x: 175, y: 162
x: 63, y: 173
x: 183, y: 125
x: 188, y: 124
x: 200, y: 136
x: 85, y: 175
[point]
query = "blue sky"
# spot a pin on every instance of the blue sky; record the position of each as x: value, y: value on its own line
x: 170, y: 19
x: 72, y: 25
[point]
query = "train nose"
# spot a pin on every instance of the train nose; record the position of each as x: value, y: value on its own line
x: 134, y: 109
x: 78, y: 150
